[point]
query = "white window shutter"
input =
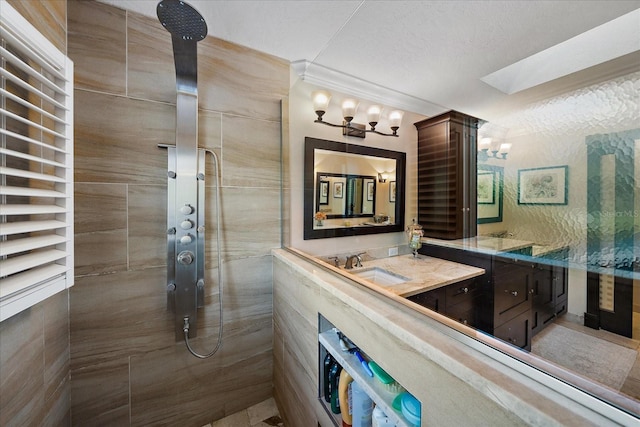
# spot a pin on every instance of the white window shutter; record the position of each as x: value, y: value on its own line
x: 36, y: 166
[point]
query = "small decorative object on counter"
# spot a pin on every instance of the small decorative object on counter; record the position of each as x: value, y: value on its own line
x: 415, y: 235
x: 319, y: 217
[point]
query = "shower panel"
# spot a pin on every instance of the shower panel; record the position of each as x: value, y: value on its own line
x: 186, y: 178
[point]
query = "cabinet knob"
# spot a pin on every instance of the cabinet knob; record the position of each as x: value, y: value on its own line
x: 514, y: 293
x: 464, y: 290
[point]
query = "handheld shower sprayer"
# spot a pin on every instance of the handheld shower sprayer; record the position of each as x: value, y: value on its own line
x: 186, y: 176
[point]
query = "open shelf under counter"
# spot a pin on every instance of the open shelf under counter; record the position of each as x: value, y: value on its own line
x: 374, y: 388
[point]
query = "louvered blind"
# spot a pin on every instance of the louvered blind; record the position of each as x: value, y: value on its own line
x: 36, y: 166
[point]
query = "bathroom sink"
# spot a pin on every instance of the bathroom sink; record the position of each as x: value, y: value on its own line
x: 380, y: 276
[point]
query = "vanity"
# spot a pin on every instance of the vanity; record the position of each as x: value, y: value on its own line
x: 517, y: 296
x: 460, y: 375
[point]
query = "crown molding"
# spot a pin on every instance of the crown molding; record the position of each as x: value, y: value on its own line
x: 328, y: 78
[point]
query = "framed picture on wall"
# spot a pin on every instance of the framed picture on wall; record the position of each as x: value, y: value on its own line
x: 392, y: 191
x: 543, y: 186
x: 486, y: 188
x: 337, y: 190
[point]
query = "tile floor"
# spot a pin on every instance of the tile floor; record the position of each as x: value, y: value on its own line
x: 263, y: 414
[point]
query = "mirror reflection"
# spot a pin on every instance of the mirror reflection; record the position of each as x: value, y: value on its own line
x: 345, y: 196
x: 352, y: 189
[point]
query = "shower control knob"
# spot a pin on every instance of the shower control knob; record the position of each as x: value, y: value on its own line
x: 186, y: 239
x: 186, y: 224
x: 185, y: 257
x: 186, y: 210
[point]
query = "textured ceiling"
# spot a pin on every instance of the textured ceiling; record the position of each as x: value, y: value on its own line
x: 436, y: 51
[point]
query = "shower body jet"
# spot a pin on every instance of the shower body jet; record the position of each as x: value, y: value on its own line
x: 186, y: 172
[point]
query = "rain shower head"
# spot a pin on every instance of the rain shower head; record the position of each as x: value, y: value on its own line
x: 181, y: 20
x: 187, y: 27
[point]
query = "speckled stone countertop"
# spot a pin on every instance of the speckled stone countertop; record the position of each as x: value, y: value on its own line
x: 424, y: 273
x: 483, y: 244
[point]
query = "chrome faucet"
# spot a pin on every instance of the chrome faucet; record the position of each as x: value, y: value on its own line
x: 349, y: 264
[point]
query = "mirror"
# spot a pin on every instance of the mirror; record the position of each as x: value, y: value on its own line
x: 490, y: 181
x: 352, y: 190
x: 345, y: 196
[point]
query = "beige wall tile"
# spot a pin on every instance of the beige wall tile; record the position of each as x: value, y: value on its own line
x: 116, y: 139
x: 56, y: 343
x: 100, y: 207
x: 97, y: 46
x: 22, y: 388
x: 100, y: 394
x: 147, y: 225
x: 100, y: 252
x: 242, y: 81
x: 167, y: 378
x: 116, y: 315
x: 48, y: 16
x: 251, y: 221
x: 209, y: 129
x: 100, y: 228
x: 250, y: 152
x: 151, y: 68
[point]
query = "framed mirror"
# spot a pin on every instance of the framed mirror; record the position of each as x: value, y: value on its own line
x: 490, y: 183
x: 352, y: 190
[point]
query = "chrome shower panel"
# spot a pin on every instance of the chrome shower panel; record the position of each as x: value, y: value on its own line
x: 185, y: 237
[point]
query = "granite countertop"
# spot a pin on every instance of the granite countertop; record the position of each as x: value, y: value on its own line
x: 424, y: 273
x: 484, y: 244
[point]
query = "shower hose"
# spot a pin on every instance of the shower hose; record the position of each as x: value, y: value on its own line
x: 220, y: 284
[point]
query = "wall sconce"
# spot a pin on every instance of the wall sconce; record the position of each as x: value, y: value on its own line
x: 498, y: 150
x: 383, y: 177
x: 321, y: 100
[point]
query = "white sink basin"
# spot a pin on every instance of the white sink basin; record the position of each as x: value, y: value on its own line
x: 380, y: 276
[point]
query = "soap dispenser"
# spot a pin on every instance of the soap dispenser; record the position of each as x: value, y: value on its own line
x: 415, y: 233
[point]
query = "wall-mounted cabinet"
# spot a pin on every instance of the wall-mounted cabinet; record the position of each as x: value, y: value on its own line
x: 447, y: 176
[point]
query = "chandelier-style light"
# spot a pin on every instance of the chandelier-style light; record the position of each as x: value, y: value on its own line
x: 321, y: 100
x: 489, y: 148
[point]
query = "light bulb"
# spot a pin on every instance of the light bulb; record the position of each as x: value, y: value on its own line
x: 349, y: 107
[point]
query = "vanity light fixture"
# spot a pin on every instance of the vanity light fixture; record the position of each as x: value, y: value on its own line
x: 382, y: 177
x: 321, y: 100
x: 490, y: 149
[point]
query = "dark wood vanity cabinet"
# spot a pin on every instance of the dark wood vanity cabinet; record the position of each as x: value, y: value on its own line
x: 512, y: 301
x: 447, y: 159
x: 515, y: 299
x: 460, y: 301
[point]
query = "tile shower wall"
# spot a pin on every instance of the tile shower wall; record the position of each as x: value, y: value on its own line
x: 34, y: 344
x: 126, y: 367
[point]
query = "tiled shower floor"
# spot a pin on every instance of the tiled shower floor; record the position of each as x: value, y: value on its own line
x: 264, y: 414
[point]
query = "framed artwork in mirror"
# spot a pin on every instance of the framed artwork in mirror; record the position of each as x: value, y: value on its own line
x: 337, y: 190
x: 323, y: 193
x: 543, y: 186
x: 392, y: 191
x: 370, y: 191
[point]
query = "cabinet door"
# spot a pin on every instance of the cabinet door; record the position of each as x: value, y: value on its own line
x: 511, y: 283
x: 543, y: 293
x: 516, y: 331
x: 447, y: 152
x: 433, y: 300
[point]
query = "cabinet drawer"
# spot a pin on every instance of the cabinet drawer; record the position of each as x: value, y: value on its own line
x: 511, y: 295
x: 460, y: 292
x: 433, y: 300
x: 465, y: 312
x: 516, y: 331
